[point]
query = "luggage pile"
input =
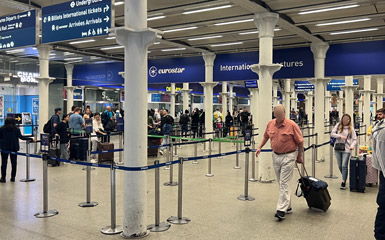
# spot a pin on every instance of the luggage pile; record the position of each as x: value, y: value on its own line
x: 362, y: 173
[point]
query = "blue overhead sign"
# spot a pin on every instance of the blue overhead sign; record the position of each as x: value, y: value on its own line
x: 18, y: 30
x: 76, y: 19
x: 35, y: 106
x: 251, y: 84
x: 335, y: 84
x: 303, y: 86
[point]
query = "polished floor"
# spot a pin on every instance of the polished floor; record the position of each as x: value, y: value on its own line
x: 210, y: 202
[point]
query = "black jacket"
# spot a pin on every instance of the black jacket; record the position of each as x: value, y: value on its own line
x: 9, y: 139
x: 61, y: 129
x: 229, y: 121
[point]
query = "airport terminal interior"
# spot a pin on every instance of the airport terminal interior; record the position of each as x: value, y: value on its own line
x: 148, y: 118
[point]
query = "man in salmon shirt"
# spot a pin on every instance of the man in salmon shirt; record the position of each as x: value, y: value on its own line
x: 287, y: 144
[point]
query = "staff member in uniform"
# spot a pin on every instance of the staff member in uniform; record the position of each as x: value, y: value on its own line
x: 287, y: 144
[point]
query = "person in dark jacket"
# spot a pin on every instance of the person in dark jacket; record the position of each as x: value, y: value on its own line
x: 184, y: 121
x: 228, y: 123
x: 64, y: 134
x: 9, y: 141
x: 195, y: 121
x: 55, y: 120
x: 202, y: 123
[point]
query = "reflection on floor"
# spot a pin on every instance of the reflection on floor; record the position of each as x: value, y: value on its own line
x: 211, y: 203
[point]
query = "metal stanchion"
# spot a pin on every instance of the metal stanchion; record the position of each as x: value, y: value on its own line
x: 35, y: 145
x: 113, y: 228
x: 331, y: 165
x: 314, y: 157
x: 179, y: 219
x: 245, y: 196
x: 195, y: 153
x: 365, y: 132
x: 45, y: 213
x: 27, y: 167
x: 171, y: 157
x: 176, y: 147
x: 253, y: 179
x: 88, y: 202
x: 209, y: 173
x: 204, y: 143
x: 220, y: 148
x: 120, y: 147
x: 168, y: 152
x: 237, y: 156
x: 158, y: 226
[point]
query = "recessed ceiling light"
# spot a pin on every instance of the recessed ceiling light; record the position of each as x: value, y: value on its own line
x: 83, y: 41
x: 343, y: 22
x: 319, y: 10
x: 118, y: 3
x: 14, y: 61
x: 179, y: 29
x: 203, y: 38
x: 156, y: 43
x: 73, y: 59
x: 110, y: 48
x: 255, y: 32
x: 234, y: 22
x: 68, y: 53
x: 173, y: 49
x: 207, y: 9
x: 155, y: 18
x: 354, y: 31
x: 14, y: 51
x: 110, y: 38
x: 226, y: 44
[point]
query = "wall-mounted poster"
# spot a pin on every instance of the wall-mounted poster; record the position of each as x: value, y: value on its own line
x: 1, y: 106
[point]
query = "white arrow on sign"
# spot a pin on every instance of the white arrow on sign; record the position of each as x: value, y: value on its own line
x: 106, y: 19
x: 106, y: 8
x: 106, y: 29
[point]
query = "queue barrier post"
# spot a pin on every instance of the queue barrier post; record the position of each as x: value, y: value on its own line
x: 314, y: 157
x: 171, y: 167
x: 120, y: 147
x: 219, y: 148
x: 27, y: 167
x: 237, y: 155
x: 204, y: 143
x: 158, y: 226
x: 45, y: 213
x: 253, y: 179
x: 168, y: 151
x: 246, y: 196
x: 88, y: 202
x: 35, y: 145
x: 179, y: 220
x: 113, y: 228
x: 209, y: 173
x: 195, y: 153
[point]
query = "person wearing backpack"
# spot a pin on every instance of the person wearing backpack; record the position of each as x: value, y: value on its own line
x: 108, y: 121
x: 184, y: 121
x: 55, y: 120
x: 346, y: 137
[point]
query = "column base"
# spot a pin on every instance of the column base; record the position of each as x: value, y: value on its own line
x: 178, y: 221
x: 135, y: 236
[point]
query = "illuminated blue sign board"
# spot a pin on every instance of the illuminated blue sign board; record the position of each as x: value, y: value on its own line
x: 251, y: 84
x: 18, y: 30
x: 76, y: 19
x: 303, y: 86
x: 335, y: 84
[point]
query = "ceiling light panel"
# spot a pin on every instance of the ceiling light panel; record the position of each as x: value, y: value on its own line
x: 204, y: 38
x: 343, y: 22
x: 354, y: 31
x: 226, y: 44
x: 328, y: 9
x: 179, y: 29
x: 234, y: 22
x: 207, y: 9
x: 173, y: 49
x: 83, y: 41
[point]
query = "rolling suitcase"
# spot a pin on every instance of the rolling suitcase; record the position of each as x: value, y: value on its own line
x: 78, y: 149
x: 54, y: 153
x: 153, y: 146
x: 371, y: 172
x: 105, y: 157
x: 357, y: 174
x: 315, y: 192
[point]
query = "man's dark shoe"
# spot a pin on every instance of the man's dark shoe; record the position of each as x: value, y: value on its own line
x: 343, y: 186
x: 2, y: 180
x: 12, y: 179
x: 289, y: 210
x: 280, y: 215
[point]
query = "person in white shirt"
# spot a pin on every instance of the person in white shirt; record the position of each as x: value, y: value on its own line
x: 99, y: 131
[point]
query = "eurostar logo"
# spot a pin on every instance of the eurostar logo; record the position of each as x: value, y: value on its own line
x: 153, y: 71
x: 72, y: 4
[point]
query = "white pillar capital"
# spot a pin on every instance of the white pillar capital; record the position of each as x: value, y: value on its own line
x: 265, y: 69
x: 44, y: 51
x: 208, y: 84
x: 69, y: 68
x: 319, y: 49
x: 46, y: 80
x: 209, y: 59
x: 142, y: 37
x: 69, y: 88
x: 265, y: 23
x: 323, y: 80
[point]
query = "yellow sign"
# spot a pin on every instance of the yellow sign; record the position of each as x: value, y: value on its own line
x: 18, y: 119
x: 168, y: 89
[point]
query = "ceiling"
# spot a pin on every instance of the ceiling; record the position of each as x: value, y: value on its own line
x: 294, y: 29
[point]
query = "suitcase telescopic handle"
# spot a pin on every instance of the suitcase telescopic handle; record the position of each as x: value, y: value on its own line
x: 307, y: 175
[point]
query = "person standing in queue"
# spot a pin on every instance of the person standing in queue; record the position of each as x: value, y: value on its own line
x: 9, y: 141
x: 62, y: 132
x: 378, y: 137
x: 167, y: 129
x: 76, y: 122
x: 287, y: 144
x: 195, y: 122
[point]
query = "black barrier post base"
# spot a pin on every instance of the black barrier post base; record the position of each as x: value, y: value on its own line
x: 28, y: 180
x: 88, y: 204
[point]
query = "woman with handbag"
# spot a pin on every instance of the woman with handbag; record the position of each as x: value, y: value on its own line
x: 346, y: 140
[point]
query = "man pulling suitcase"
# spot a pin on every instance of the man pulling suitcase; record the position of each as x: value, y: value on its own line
x: 287, y: 144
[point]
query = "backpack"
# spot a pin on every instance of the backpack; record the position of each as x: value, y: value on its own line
x: 48, y: 126
x: 183, y: 119
x: 105, y: 118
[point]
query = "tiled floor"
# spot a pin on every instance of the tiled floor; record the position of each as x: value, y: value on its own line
x: 211, y: 203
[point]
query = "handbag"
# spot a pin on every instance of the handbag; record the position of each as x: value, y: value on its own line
x: 340, y: 147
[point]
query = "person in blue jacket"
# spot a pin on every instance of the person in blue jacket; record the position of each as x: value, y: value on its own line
x: 9, y: 141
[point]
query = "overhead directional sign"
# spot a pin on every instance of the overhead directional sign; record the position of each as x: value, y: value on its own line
x: 18, y: 30
x: 76, y: 19
x: 251, y: 84
x: 335, y: 84
x: 302, y: 86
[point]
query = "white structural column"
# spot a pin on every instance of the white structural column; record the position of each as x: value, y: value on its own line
x: 254, y: 99
x: 349, y: 95
x: 186, y: 96
x: 319, y: 52
x: 265, y: 69
x: 208, y: 87
x: 172, y: 108
x: 367, y: 95
x: 287, y: 97
x: 380, y: 91
x: 340, y: 103
x: 44, y: 81
x: 360, y: 108
x: 69, y: 89
x: 309, y: 106
x: 224, y: 100
x: 328, y: 99
x: 275, y: 93
x: 231, y: 87
x: 135, y: 37
x: 293, y: 97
